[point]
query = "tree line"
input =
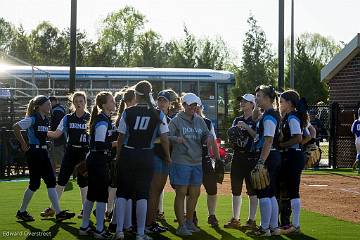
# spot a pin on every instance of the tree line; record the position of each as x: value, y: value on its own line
x: 124, y: 41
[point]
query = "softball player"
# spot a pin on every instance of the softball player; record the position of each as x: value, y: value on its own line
x: 355, y: 129
x: 187, y: 133
x: 74, y: 127
x: 244, y: 160
x: 127, y: 100
x: 36, y: 123
x: 161, y: 171
x: 96, y: 163
x: 294, y: 121
x: 138, y: 128
x: 209, y: 176
x: 266, y: 144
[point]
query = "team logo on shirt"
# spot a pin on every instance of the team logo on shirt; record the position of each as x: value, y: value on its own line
x: 42, y: 129
x: 77, y: 125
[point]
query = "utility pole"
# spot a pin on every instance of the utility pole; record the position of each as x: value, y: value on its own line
x: 281, y: 46
x: 72, y: 73
x: 292, y: 68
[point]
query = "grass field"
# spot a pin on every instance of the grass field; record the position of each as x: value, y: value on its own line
x: 314, y: 226
x: 337, y: 171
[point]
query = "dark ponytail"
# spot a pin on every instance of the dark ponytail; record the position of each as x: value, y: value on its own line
x: 299, y: 104
x: 100, y: 99
x: 143, y: 90
x: 269, y: 91
x: 127, y: 95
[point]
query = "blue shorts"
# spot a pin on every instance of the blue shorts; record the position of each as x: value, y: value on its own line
x: 160, y: 166
x: 185, y: 175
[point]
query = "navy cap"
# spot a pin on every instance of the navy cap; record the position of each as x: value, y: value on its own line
x: 165, y: 95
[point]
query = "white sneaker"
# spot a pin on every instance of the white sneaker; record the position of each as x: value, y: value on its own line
x: 183, y: 231
x: 88, y: 231
x: 191, y: 226
x: 119, y: 236
x: 275, y: 231
x: 143, y: 237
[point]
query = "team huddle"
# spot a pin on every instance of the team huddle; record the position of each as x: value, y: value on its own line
x: 122, y: 158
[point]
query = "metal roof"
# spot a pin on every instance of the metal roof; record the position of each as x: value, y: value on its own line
x: 341, y: 59
x: 135, y: 73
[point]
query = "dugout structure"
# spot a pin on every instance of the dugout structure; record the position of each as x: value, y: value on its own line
x: 342, y: 74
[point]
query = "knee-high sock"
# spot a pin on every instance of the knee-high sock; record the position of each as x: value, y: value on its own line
x: 274, y: 220
x: 236, y: 206
x: 87, y: 207
x: 141, y: 208
x: 211, y: 204
x: 295, y: 207
x: 128, y: 214
x: 161, y: 200
x: 111, y: 198
x: 26, y: 199
x: 83, y: 193
x: 54, y: 199
x: 120, y: 214
x: 185, y: 201
x: 100, y: 214
x: 265, y: 210
x: 253, y: 203
x: 113, y: 217
x: 59, y: 191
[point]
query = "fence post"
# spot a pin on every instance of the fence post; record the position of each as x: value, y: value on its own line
x: 334, y: 108
x: 2, y: 152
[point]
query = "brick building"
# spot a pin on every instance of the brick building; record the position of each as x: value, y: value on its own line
x: 342, y: 74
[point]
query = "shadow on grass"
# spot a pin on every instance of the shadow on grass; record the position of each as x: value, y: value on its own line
x: 37, y: 233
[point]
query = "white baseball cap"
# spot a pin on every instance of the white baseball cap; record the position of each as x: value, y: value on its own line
x: 248, y: 97
x: 190, y: 98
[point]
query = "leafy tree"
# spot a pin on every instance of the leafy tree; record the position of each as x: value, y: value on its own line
x: 312, y: 52
x: 151, y: 51
x: 7, y: 33
x: 20, y: 46
x: 212, y: 54
x: 119, y: 36
x: 183, y: 53
x: 47, y: 46
x: 258, y: 65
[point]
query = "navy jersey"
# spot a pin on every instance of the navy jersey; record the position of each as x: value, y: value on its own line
x: 37, y: 128
x: 210, y: 126
x: 290, y: 126
x: 267, y: 126
x: 101, y: 133
x: 140, y: 126
x: 75, y: 129
x: 158, y: 149
x: 355, y: 128
x: 57, y: 114
x: 247, y: 139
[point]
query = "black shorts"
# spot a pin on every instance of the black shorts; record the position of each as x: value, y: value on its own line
x: 136, y: 169
x: 71, y: 158
x: 273, y: 164
x: 293, y: 163
x: 98, y: 177
x: 39, y: 167
x: 209, y: 176
x: 241, y: 166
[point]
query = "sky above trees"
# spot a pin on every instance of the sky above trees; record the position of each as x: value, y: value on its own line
x: 203, y: 18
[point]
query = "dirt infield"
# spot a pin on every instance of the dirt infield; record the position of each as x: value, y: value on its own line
x: 331, y: 195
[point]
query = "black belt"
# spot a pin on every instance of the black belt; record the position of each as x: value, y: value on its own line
x: 105, y: 152
x: 77, y: 146
x: 291, y: 149
x: 130, y: 147
x: 38, y: 146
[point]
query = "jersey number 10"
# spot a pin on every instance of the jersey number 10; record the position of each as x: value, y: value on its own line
x: 141, y: 123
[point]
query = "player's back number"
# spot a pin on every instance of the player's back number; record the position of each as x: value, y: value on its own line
x: 141, y: 123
